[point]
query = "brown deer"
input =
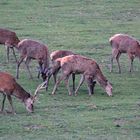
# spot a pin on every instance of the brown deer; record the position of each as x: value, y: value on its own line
x: 9, y: 87
x: 10, y: 40
x: 31, y: 49
x: 81, y: 65
x: 54, y: 69
x: 122, y: 43
x: 53, y: 56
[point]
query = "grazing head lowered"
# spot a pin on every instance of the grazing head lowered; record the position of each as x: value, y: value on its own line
x: 31, y: 49
x: 9, y: 87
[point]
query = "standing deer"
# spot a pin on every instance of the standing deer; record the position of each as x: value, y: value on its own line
x: 9, y: 87
x: 30, y: 49
x: 87, y: 67
x: 122, y: 43
x: 10, y: 40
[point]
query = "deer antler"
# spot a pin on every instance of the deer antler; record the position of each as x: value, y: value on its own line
x: 41, y: 86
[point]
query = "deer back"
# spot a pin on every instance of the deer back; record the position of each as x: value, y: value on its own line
x: 77, y: 63
x: 59, y: 54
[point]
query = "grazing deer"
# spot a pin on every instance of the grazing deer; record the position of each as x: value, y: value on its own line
x: 122, y: 43
x: 53, y: 56
x: 87, y: 67
x: 30, y: 49
x: 9, y: 87
x: 54, y: 69
x: 10, y: 40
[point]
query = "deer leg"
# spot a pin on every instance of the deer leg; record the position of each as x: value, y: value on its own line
x: 114, y: 54
x: 111, y: 67
x: 131, y: 57
x: 117, y: 59
x: 47, y: 81
x: 40, y: 69
x: 112, y: 57
x: 73, y: 81
x: 14, y: 53
x: 90, y: 89
x: 7, y: 50
x: 3, y: 101
x: 18, y: 65
x: 131, y: 65
x: 27, y: 66
x: 38, y: 76
x: 90, y: 86
x: 10, y: 101
x: 67, y: 84
x: 57, y: 83
x: 54, y: 76
x: 80, y: 83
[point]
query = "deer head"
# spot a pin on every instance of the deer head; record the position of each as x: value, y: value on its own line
x: 30, y: 101
x: 29, y: 104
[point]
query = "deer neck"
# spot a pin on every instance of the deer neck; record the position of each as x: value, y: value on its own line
x: 101, y: 79
x: 21, y: 94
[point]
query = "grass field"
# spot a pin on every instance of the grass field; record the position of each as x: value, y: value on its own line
x: 83, y: 26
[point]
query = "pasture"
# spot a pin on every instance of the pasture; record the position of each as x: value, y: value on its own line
x: 84, y: 27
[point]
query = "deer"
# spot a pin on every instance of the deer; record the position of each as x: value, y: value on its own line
x: 89, y: 69
x: 123, y: 43
x: 9, y: 87
x: 31, y: 49
x: 10, y: 40
x: 54, y: 69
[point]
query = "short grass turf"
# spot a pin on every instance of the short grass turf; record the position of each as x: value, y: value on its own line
x: 83, y: 26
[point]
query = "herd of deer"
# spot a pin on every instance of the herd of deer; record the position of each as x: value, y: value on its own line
x: 69, y: 63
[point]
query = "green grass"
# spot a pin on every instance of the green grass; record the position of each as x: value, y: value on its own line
x: 83, y: 26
